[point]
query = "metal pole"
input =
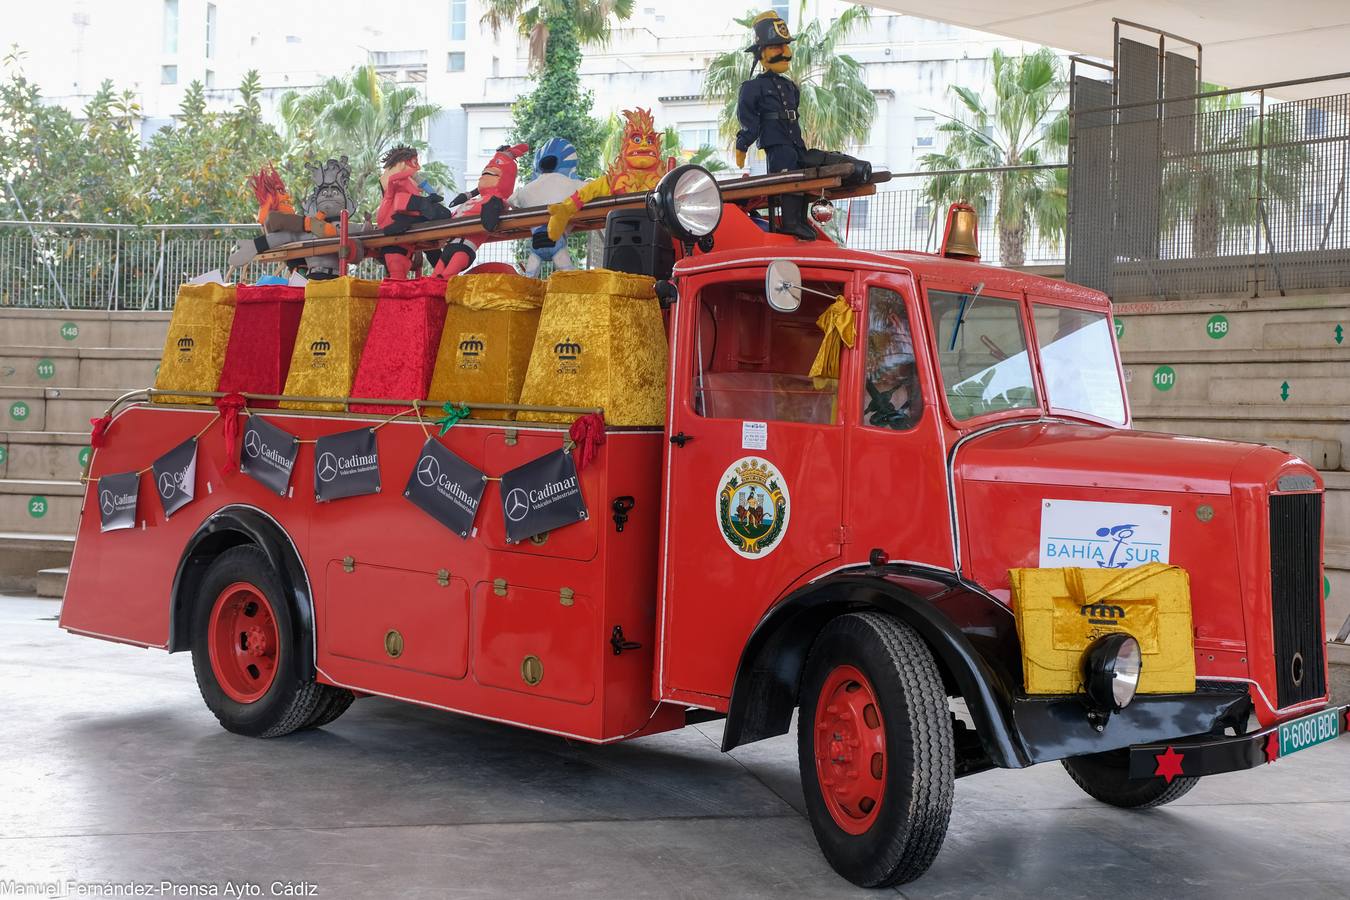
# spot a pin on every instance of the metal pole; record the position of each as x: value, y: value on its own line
x: 163, y: 265
x: 117, y: 271
x: 1260, y: 177
x: 60, y: 292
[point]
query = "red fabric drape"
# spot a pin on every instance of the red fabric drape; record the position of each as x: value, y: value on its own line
x: 230, y: 406
x: 588, y: 432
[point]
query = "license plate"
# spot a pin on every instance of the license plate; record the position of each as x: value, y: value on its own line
x: 1309, y: 731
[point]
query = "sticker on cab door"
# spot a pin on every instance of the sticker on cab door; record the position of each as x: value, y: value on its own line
x: 1085, y: 534
x: 752, y: 507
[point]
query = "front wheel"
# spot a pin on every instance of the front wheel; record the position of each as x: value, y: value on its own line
x: 874, y: 745
x: 1106, y: 777
x: 243, y: 635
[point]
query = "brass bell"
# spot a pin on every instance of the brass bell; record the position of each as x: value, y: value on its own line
x: 961, y: 236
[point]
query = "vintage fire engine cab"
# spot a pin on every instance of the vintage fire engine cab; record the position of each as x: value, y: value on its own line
x: 837, y: 545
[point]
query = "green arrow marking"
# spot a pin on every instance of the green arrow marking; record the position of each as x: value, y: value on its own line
x: 45, y: 369
x: 1164, y: 378
x: 1217, y: 327
x: 1340, y: 333
x: 18, y: 410
x: 37, y: 507
x: 70, y: 331
x: 1284, y: 391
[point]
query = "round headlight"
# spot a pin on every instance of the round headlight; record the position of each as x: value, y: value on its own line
x: 1111, y: 670
x: 688, y: 202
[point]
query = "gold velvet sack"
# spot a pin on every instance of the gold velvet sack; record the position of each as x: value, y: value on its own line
x: 194, y: 351
x: 332, y: 334
x: 1061, y: 612
x: 490, y: 323
x: 601, y: 342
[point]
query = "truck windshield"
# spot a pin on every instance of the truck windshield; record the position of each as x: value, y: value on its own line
x: 984, y: 363
x: 1078, y: 362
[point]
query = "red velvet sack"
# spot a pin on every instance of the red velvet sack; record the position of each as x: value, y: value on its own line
x: 262, y: 338
x: 400, y: 352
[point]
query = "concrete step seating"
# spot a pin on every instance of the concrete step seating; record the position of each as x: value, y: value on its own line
x: 88, y: 367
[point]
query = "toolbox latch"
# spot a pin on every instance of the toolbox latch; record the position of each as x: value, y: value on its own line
x: 499, y: 587
x: 349, y: 564
x: 565, y: 596
x: 443, y: 577
x: 619, y: 644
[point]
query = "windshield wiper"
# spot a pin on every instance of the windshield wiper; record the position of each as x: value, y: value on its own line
x: 963, y: 311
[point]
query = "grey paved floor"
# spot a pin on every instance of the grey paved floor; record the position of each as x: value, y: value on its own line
x: 112, y: 769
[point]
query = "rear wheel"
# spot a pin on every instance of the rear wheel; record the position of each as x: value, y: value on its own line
x: 243, y: 635
x: 1106, y: 777
x: 874, y: 745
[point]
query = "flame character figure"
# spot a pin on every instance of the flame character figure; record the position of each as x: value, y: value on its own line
x: 636, y: 169
x: 407, y: 201
x: 282, y: 225
x: 555, y: 179
x: 495, y: 187
x: 767, y: 110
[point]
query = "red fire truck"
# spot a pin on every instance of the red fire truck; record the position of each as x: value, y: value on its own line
x: 837, y: 548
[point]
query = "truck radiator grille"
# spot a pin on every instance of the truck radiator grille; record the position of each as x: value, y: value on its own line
x: 1296, y: 596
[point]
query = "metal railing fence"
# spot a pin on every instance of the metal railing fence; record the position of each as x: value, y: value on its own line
x: 1222, y: 192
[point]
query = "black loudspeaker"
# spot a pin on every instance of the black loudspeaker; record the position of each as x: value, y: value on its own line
x: 636, y: 244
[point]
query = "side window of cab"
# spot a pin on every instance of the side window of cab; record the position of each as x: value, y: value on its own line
x: 753, y: 363
x: 891, y: 394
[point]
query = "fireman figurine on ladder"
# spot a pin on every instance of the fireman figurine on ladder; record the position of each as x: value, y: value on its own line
x: 767, y: 110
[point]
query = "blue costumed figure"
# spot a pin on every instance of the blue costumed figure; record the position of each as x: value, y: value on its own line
x: 555, y: 179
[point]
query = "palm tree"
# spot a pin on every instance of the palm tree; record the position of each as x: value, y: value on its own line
x: 590, y: 20
x: 1018, y: 127
x: 1215, y: 187
x: 837, y: 108
x: 360, y: 115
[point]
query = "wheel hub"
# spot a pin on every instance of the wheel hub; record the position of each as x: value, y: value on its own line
x: 242, y: 642
x: 850, y: 749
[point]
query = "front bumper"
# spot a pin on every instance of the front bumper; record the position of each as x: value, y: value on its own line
x: 1211, y: 755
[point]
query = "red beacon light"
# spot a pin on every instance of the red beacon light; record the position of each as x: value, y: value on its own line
x: 961, y: 236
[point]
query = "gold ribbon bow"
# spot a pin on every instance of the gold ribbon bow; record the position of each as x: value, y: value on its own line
x: 837, y: 323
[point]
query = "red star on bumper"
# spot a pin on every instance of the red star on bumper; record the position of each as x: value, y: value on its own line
x: 1272, y: 747
x: 1169, y: 764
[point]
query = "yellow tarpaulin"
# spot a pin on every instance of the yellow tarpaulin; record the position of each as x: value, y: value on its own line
x: 1061, y: 612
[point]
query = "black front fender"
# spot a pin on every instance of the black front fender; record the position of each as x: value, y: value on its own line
x: 233, y: 526
x: 972, y: 636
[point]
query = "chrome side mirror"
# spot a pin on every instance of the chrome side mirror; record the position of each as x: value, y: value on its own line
x: 783, y: 285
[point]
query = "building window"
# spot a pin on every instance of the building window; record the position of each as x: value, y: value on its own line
x: 168, y: 74
x: 781, y: 7
x: 210, y: 30
x: 454, y: 61
x: 1314, y: 121
x: 857, y: 216
x: 457, y: 19
x: 1314, y: 213
x: 489, y: 139
x: 694, y: 135
x: 921, y: 217
x: 925, y: 128
x: 210, y: 79
x: 170, y: 26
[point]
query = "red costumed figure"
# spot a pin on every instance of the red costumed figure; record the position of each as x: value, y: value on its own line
x: 407, y: 201
x: 495, y: 185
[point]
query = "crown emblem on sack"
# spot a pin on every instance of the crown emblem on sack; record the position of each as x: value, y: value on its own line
x: 567, y: 349
x: 185, y: 344
x: 471, y: 346
x: 320, y: 347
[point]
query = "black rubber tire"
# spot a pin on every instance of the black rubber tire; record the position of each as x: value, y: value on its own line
x: 1105, y: 777
x: 335, y: 702
x: 292, y: 700
x: 916, y: 804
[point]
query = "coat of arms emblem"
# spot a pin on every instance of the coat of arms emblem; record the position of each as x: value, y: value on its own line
x: 752, y: 507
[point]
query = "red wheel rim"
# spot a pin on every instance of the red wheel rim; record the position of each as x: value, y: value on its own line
x: 850, y: 749
x: 243, y: 643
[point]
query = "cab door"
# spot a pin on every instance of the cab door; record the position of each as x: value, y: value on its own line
x: 755, y: 469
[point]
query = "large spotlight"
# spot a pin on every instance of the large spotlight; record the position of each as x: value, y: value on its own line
x: 688, y: 202
x: 1111, y: 669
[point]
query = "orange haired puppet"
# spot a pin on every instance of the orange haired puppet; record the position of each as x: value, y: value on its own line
x: 636, y: 169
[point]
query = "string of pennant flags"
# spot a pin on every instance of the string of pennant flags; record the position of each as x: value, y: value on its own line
x: 538, y: 496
